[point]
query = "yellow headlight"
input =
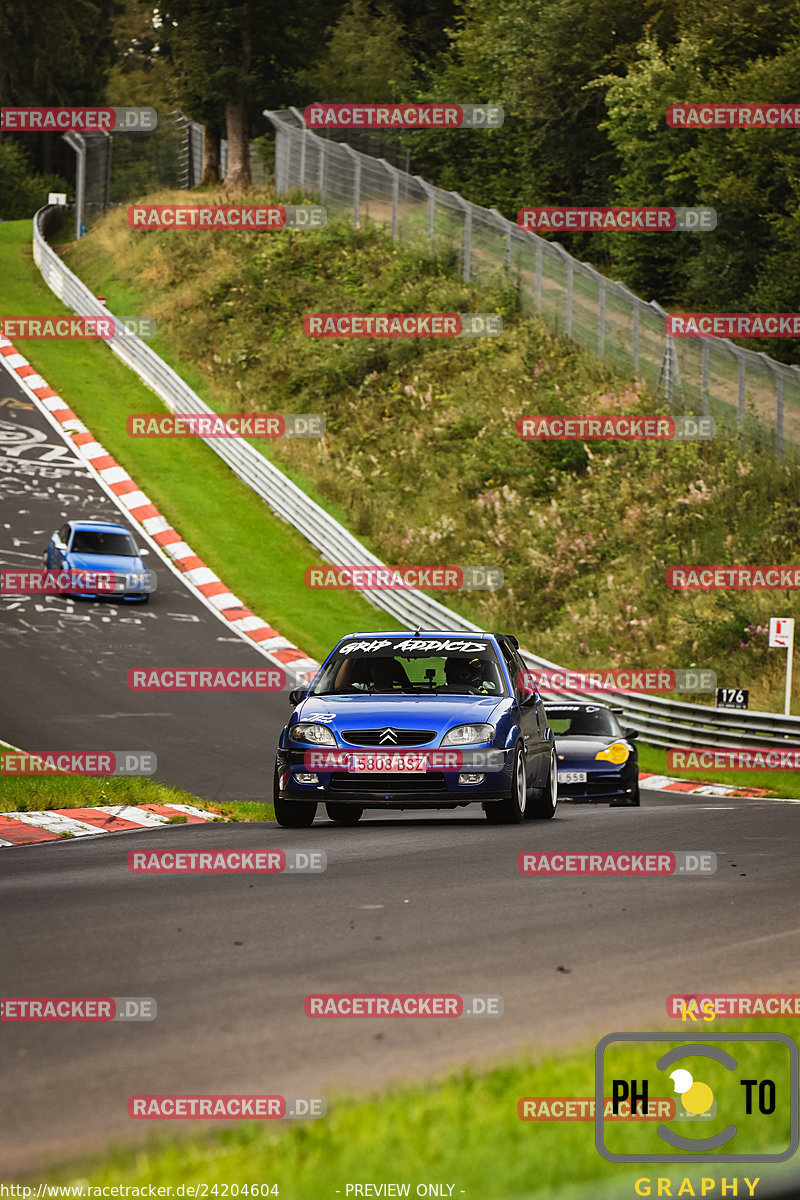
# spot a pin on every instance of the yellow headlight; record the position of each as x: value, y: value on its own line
x: 616, y: 753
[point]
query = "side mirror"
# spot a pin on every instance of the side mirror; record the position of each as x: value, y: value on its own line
x: 527, y: 698
x: 630, y: 734
x: 296, y: 695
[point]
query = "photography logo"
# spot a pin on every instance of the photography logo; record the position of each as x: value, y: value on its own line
x: 736, y: 1097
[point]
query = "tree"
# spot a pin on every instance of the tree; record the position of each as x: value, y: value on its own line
x: 364, y: 59
x: 54, y: 54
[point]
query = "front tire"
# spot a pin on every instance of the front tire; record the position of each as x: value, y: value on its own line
x: 544, y: 806
x: 291, y: 814
x: 344, y: 814
x: 511, y: 809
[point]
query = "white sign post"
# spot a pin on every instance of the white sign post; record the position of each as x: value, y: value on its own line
x: 781, y: 633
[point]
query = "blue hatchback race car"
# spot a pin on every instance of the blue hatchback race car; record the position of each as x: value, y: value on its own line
x: 99, y: 547
x: 417, y: 720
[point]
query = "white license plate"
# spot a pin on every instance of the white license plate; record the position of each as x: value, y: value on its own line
x: 388, y: 762
x: 572, y: 777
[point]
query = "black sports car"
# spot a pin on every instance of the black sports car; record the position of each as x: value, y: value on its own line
x: 597, y: 758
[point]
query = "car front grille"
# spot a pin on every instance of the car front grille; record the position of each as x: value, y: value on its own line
x: 431, y: 781
x: 400, y: 737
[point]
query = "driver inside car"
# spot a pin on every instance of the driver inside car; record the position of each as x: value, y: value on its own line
x: 380, y: 675
x: 463, y: 675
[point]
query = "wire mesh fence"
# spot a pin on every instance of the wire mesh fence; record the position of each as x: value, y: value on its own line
x: 698, y: 375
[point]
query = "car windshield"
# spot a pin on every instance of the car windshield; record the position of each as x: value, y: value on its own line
x: 582, y: 721
x: 413, y: 667
x: 95, y: 541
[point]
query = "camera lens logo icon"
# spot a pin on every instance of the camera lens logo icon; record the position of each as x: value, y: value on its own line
x: 736, y: 1097
x: 697, y: 1098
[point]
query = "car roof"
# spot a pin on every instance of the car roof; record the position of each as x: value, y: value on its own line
x: 420, y: 633
x: 100, y: 526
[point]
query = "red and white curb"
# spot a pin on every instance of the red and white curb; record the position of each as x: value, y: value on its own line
x: 667, y: 783
x: 24, y: 828
x: 168, y: 543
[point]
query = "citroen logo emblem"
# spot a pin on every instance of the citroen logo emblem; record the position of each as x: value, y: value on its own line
x: 388, y: 735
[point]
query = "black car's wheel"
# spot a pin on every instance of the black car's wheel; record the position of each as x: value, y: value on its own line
x: 344, y: 814
x: 511, y: 809
x: 632, y: 801
x: 544, y: 806
x: 291, y: 814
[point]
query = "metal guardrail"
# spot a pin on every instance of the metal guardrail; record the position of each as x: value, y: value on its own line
x: 662, y: 721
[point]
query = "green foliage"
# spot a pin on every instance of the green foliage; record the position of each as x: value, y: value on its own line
x: 22, y: 190
x: 365, y: 58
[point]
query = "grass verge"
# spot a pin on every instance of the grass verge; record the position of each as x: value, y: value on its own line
x: 462, y: 1130
x: 40, y: 793
x: 779, y: 783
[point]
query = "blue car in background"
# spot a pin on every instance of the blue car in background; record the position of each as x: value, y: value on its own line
x: 597, y: 758
x: 417, y: 720
x: 99, y: 546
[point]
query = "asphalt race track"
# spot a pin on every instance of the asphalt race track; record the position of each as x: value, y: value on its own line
x: 65, y: 661
x: 428, y: 902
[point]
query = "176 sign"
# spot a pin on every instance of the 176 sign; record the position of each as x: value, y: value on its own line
x: 732, y: 697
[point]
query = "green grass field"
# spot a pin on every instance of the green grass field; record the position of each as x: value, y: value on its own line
x: 463, y: 1129
x: 38, y: 793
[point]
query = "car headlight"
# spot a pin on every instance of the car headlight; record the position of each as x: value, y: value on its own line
x: 616, y: 753
x: 468, y: 735
x: 319, y: 735
x: 138, y: 577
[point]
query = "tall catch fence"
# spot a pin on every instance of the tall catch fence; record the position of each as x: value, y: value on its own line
x: 705, y: 376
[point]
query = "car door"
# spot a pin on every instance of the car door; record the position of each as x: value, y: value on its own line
x: 538, y: 737
x: 526, y: 715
